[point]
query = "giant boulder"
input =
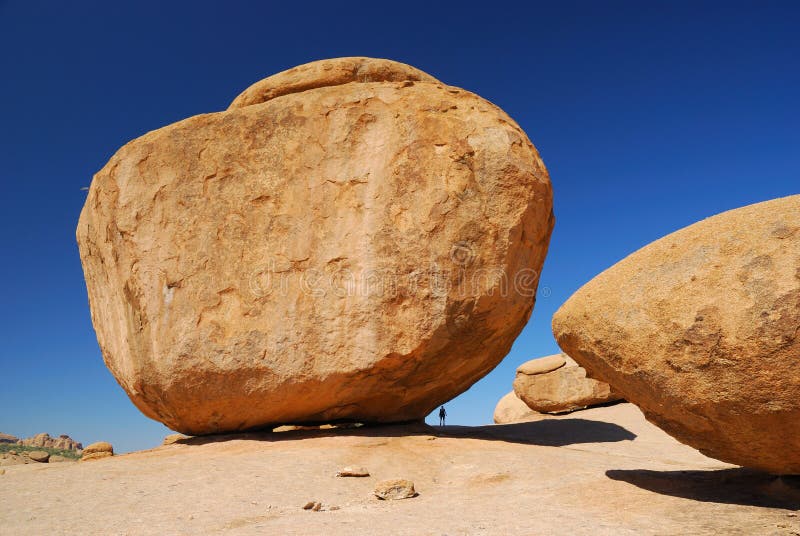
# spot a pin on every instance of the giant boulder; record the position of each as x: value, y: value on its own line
x: 351, y: 240
x: 701, y: 330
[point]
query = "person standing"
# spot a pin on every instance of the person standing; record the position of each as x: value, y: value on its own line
x: 442, y: 415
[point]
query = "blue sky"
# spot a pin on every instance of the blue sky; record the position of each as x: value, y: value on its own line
x: 649, y: 115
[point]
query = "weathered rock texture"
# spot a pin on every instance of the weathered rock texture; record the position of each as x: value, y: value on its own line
x: 63, y: 442
x: 511, y: 409
x: 391, y: 490
x: 352, y: 239
x: 700, y: 329
x: 558, y: 384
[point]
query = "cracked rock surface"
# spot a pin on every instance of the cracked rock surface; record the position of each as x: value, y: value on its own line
x: 351, y: 240
x: 700, y: 330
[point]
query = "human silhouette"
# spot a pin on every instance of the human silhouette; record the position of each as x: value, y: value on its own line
x: 442, y: 415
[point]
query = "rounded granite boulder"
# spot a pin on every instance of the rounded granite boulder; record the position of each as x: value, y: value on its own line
x: 701, y: 330
x: 351, y: 240
x: 510, y: 409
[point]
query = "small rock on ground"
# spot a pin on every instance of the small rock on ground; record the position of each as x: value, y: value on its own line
x: 394, y: 489
x: 352, y: 471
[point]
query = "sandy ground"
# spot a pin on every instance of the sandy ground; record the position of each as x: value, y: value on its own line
x: 600, y: 471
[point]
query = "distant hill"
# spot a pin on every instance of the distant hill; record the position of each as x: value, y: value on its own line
x: 8, y: 438
x: 63, y: 446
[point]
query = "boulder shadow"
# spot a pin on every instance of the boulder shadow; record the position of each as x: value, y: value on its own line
x: 548, y: 432
x: 738, y: 486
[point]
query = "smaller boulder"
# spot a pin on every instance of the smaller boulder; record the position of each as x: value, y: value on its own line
x: 39, y: 456
x: 389, y: 490
x: 2, y: 471
x: 98, y: 450
x: 510, y: 409
x: 562, y: 389
x: 57, y: 459
x: 352, y: 471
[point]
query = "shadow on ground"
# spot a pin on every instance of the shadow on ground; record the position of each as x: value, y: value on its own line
x: 551, y: 433
x: 727, y: 486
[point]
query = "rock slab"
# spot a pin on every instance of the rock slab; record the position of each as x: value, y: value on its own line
x: 351, y: 240
x: 173, y: 438
x: 542, y: 365
x: 700, y: 330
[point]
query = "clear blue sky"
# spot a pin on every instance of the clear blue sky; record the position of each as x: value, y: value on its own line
x: 649, y: 116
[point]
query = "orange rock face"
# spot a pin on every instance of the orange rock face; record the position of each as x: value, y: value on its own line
x: 350, y: 240
x: 700, y: 330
